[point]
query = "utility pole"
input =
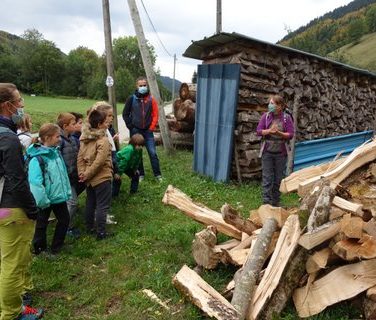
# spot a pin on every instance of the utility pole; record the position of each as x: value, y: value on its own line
x: 173, y: 81
x: 109, y: 63
x: 219, y: 16
x: 150, y: 74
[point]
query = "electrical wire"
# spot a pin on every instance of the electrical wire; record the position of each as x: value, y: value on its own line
x: 160, y: 41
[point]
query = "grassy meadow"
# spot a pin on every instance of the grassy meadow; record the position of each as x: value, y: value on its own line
x: 104, y: 280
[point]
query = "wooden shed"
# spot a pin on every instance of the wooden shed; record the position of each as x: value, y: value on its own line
x: 326, y: 98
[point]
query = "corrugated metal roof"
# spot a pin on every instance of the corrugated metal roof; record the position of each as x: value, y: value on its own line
x: 313, y: 152
x: 216, y: 103
x: 196, y: 49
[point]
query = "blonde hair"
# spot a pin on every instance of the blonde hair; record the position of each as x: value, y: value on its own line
x: 48, y: 130
x: 25, y: 124
x: 65, y: 119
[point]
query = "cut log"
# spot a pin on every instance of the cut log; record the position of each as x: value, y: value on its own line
x: 203, y: 248
x: 308, y: 203
x: 267, y: 211
x: 245, y: 243
x: 228, y: 245
x: 180, y: 126
x: 352, y: 227
x: 245, y: 287
x: 355, y: 208
x: 203, y: 295
x: 312, y: 239
x: 370, y: 227
x: 255, y: 218
x: 289, y: 281
x: 286, y: 244
x: 186, y: 111
x: 321, y: 211
x: 180, y: 200
x: 371, y: 293
x: 231, y: 216
x: 336, y: 213
x: 319, y: 260
x: 187, y: 91
x: 291, y: 183
x: 235, y: 257
x: 341, y: 284
x: 354, y: 249
x: 359, y: 157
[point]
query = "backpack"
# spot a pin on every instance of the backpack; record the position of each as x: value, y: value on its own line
x: 41, y: 162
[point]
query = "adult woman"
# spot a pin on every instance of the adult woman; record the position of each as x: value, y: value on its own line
x: 17, y: 211
x: 276, y: 128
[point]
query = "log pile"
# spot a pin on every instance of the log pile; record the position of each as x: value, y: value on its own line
x: 332, y: 260
x: 181, y: 123
x: 325, y: 100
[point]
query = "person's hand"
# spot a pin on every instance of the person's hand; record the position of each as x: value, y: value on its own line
x: 116, y: 137
x: 81, y: 177
x: 117, y: 176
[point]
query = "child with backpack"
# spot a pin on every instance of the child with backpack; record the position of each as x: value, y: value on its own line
x: 95, y: 169
x: 129, y: 159
x: 24, y: 132
x: 49, y: 184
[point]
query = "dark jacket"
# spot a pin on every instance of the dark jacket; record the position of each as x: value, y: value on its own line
x: 16, y: 192
x: 141, y: 111
x: 69, y: 151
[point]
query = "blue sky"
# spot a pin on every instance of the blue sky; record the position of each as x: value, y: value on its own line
x: 71, y: 23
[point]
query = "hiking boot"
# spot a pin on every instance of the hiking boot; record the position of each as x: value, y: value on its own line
x: 27, y: 299
x: 30, y: 313
x: 104, y: 235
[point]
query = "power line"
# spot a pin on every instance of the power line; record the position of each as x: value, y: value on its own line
x: 160, y: 41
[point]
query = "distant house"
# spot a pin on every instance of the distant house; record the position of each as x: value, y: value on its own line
x: 327, y: 98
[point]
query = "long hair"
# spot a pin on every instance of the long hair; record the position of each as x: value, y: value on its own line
x: 48, y: 130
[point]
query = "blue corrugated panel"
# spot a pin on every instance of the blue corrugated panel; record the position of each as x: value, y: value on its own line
x: 312, y: 152
x: 216, y: 102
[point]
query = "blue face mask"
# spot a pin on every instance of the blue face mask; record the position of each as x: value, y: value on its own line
x: 18, y: 116
x: 271, y: 107
x: 143, y: 90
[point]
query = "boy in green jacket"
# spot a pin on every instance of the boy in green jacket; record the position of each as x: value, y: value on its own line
x: 129, y: 159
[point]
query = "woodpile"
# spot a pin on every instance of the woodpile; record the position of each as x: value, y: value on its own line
x: 331, y: 259
x: 325, y: 100
x: 182, y: 122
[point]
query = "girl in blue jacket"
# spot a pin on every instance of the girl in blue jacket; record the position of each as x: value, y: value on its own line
x: 49, y: 184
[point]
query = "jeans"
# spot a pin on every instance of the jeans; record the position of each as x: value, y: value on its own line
x: 273, y: 169
x: 16, y: 232
x: 40, y: 237
x: 150, y: 147
x: 98, y: 202
x: 135, y: 178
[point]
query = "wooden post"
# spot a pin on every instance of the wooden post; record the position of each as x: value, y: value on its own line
x: 109, y: 62
x: 150, y: 74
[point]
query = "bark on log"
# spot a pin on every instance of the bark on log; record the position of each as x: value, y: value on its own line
x: 330, y: 289
x: 286, y: 244
x: 203, y: 248
x: 245, y: 287
x: 203, y: 295
x: 180, y: 200
x: 231, y: 216
x: 180, y: 126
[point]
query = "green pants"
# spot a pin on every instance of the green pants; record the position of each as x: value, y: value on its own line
x: 16, y: 233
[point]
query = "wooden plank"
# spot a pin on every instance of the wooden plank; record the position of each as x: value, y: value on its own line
x: 355, y: 208
x: 286, y: 244
x: 312, y: 239
x: 341, y: 284
x: 200, y: 213
x: 203, y: 295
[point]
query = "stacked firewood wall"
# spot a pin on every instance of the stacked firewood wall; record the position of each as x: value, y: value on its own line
x: 326, y: 99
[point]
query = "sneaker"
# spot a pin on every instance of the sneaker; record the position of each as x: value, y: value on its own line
x: 159, y: 178
x: 141, y: 178
x: 104, y: 235
x: 74, y: 233
x: 27, y: 299
x: 110, y: 219
x: 31, y: 313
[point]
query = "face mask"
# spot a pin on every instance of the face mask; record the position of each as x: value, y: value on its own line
x: 18, y: 116
x: 271, y: 107
x: 142, y: 90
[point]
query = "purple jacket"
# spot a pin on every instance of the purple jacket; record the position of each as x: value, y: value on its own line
x: 265, y: 123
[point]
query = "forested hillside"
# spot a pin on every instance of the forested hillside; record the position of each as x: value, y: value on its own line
x: 37, y: 66
x: 344, y: 26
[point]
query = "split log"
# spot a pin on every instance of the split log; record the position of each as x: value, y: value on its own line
x: 203, y: 295
x: 355, y: 208
x: 320, y: 260
x: 336, y: 213
x: 245, y: 287
x: 359, y: 157
x: 291, y: 183
x: 254, y: 217
x: 370, y: 227
x: 286, y: 244
x: 352, y: 227
x: 371, y: 293
x: 321, y: 211
x: 341, y: 284
x: 289, y: 282
x: 245, y: 243
x: 203, y: 248
x: 309, y: 201
x: 235, y: 257
x: 155, y: 298
x: 267, y: 211
x: 228, y: 245
x: 309, y: 240
x: 231, y: 216
x: 354, y: 249
x: 200, y: 213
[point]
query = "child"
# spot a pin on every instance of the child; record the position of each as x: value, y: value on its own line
x: 95, y: 169
x: 78, y: 127
x: 50, y: 186
x: 69, y: 151
x: 24, y: 132
x: 129, y: 159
